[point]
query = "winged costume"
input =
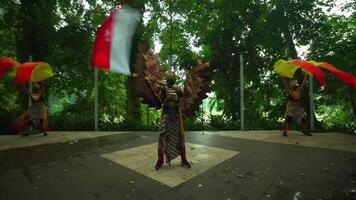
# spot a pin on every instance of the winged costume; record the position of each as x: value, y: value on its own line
x: 159, y: 90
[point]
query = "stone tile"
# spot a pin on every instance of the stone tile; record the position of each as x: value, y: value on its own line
x: 142, y: 160
x: 335, y: 141
x: 15, y: 141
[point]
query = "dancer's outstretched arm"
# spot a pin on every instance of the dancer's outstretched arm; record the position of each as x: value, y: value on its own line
x: 301, y: 87
x: 285, y: 84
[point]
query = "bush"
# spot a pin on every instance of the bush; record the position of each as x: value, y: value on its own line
x: 194, y: 124
x: 217, y: 122
x: 71, y: 122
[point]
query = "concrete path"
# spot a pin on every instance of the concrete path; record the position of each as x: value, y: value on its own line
x: 225, y: 165
x: 16, y: 141
x: 336, y: 141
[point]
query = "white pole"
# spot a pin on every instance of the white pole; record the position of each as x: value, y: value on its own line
x: 242, y: 93
x: 170, y: 35
x: 29, y: 86
x: 96, y: 72
x: 311, y: 93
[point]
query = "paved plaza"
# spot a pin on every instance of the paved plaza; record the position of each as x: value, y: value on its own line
x: 225, y: 165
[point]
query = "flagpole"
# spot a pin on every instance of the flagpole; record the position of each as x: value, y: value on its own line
x: 311, y: 93
x: 170, y: 35
x: 96, y: 95
x: 29, y: 86
x: 242, y: 106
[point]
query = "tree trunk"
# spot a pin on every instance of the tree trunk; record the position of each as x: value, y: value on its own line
x: 353, y: 100
x: 35, y: 28
x: 293, y: 54
x: 290, y: 43
x: 132, y: 100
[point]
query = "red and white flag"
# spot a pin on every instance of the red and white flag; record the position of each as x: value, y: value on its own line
x: 112, y: 45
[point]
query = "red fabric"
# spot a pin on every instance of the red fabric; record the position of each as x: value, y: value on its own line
x: 345, y: 77
x: 6, y: 64
x: 102, y: 44
x: 24, y: 71
x: 316, y: 71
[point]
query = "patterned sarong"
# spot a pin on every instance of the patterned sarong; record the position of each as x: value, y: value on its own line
x: 37, y: 112
x: 295, y: 109
x: 170, y: 137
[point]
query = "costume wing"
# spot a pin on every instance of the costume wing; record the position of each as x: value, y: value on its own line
x: 150, y: 75
x: 196, y: 85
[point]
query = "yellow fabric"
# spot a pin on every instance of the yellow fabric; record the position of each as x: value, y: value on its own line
x: 284, y: 68
x: 41, y: 72
x: 315, y: 63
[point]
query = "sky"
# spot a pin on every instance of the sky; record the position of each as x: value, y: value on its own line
x: 339, y: 4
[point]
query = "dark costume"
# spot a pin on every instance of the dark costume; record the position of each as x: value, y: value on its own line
x: 170, y: 99
x: 36, y: 116
x: 171, y: 139
x: 295, y: 108
x: 37, y: 111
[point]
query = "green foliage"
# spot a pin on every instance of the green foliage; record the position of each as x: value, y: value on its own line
x: 128, y: 125
x: 219, y: 123
x: 194, y: 124
x: 337, y: 45
x: 8, y: 11
x: 62, y: 32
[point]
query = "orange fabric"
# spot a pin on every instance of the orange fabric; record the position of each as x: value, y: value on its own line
x: 24, y: 71
x: 296, y: 95
x: 314, y: 70
x: 34, y: 71
x: 6, y: 64
x: 345, y: 77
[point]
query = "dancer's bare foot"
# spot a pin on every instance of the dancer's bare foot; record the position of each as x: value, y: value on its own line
x: 158, y: 165
x: 284, y: 133
x: 186, y: 164
x: 25, y: 134
x: 305, y: 132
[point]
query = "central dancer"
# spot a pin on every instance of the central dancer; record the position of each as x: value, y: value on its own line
x: 159, y: 90
x: 171, y: 138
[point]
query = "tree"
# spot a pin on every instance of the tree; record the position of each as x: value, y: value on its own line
x: 336, y: 44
